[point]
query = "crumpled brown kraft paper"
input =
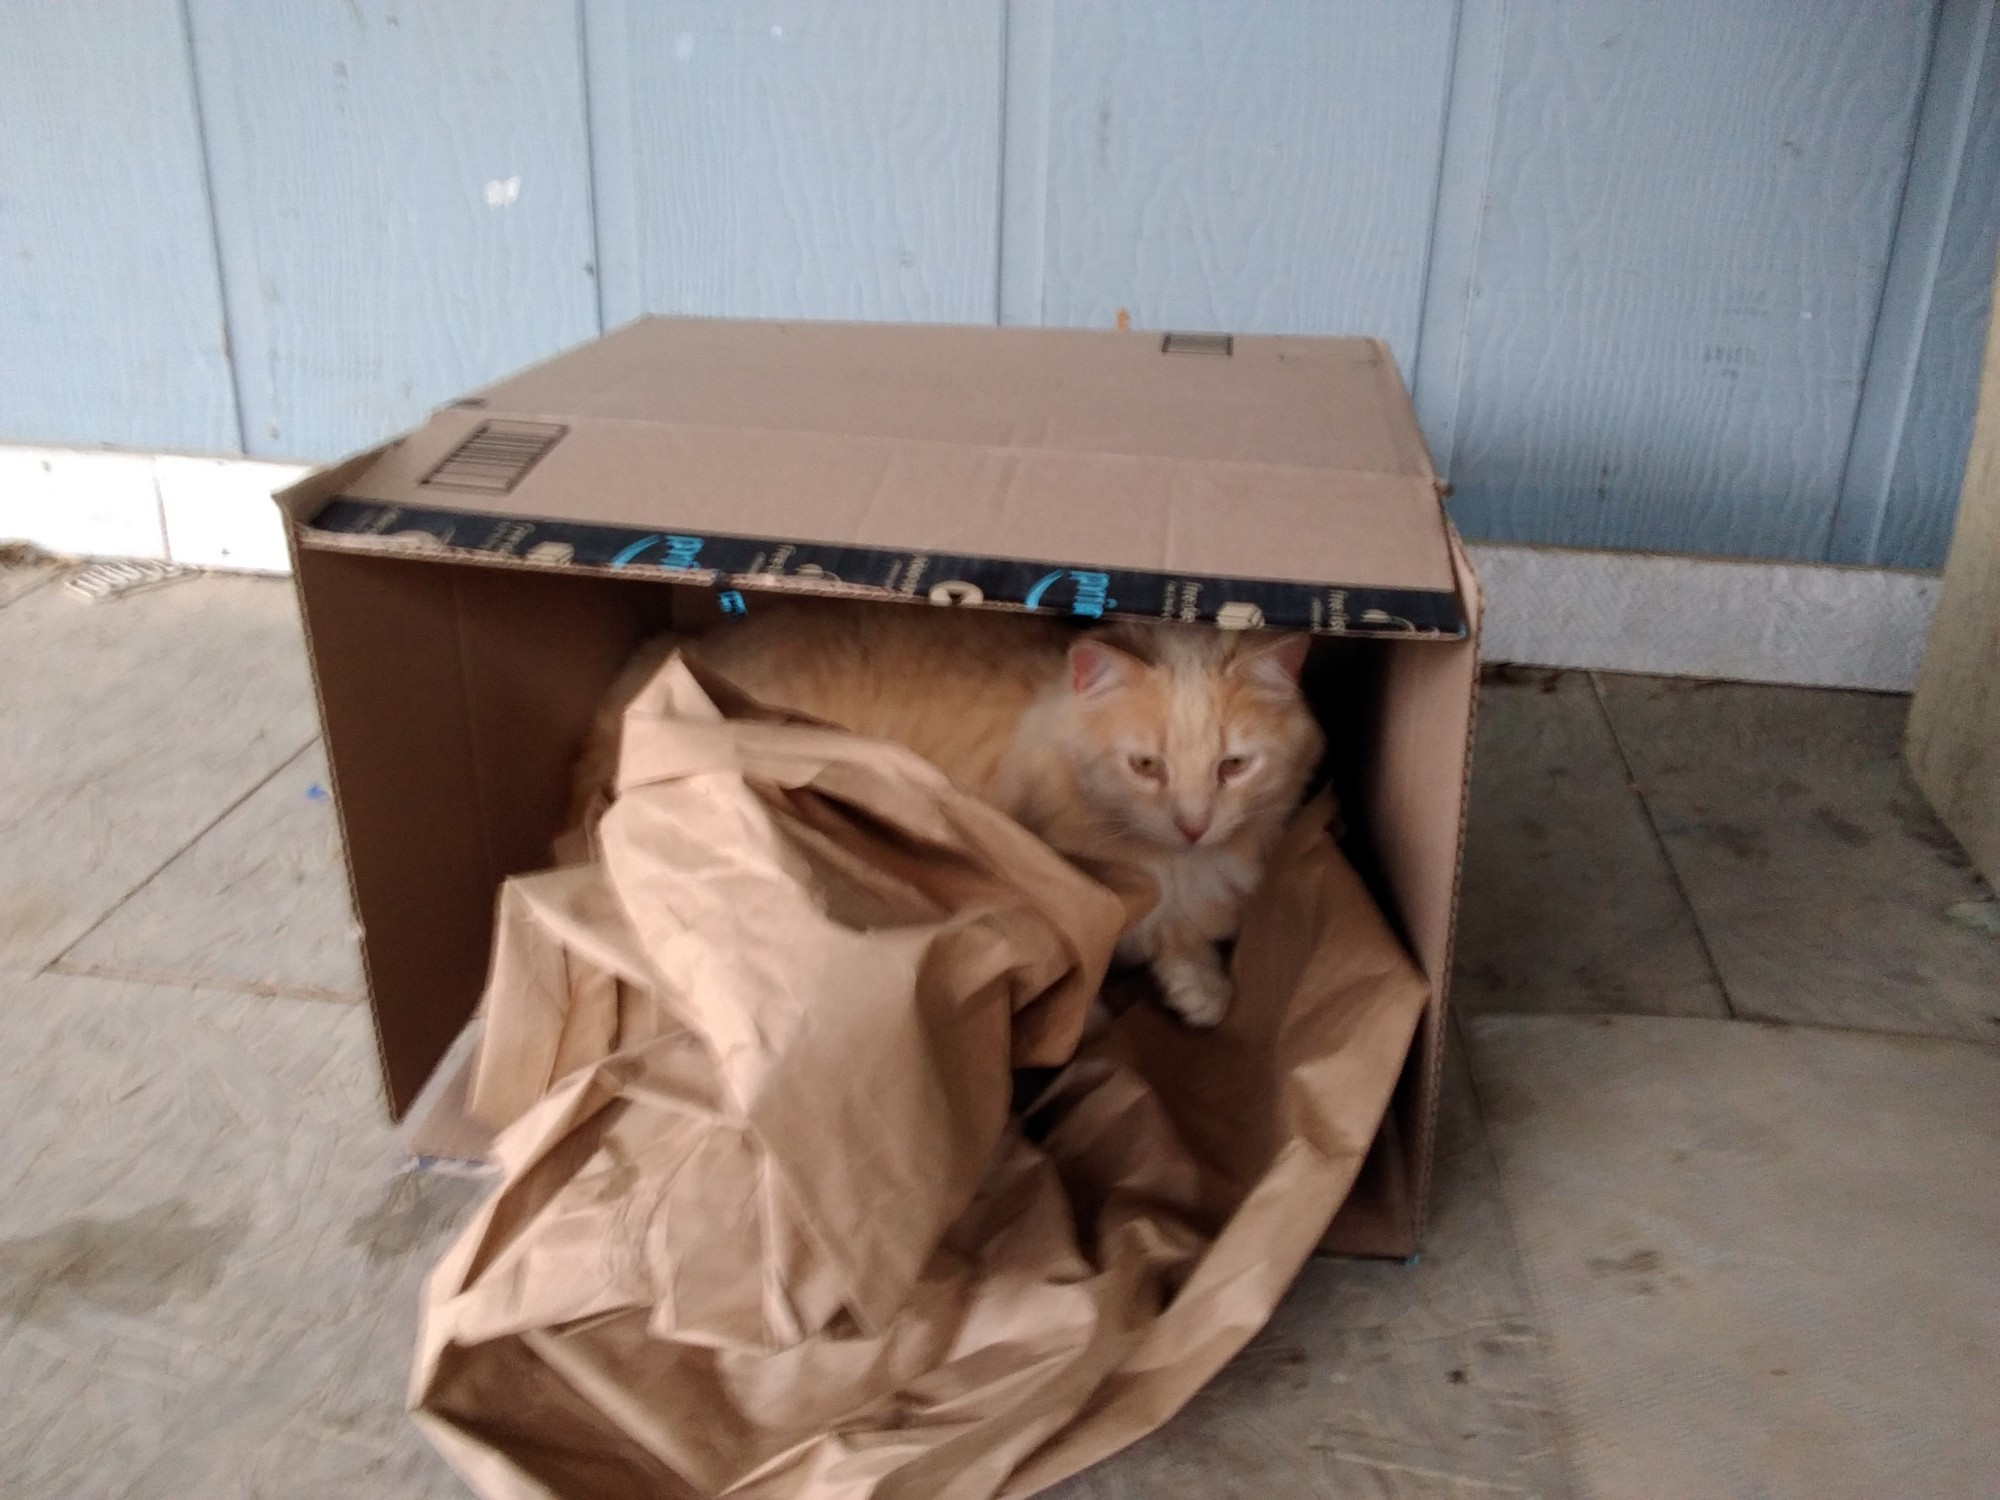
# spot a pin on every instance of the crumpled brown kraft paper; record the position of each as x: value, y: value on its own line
x: 766, y: 1226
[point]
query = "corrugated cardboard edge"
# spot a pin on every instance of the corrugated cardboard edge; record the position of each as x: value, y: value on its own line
x: 737, y: 564
x: 1475, y: 610
x: 292, y: 501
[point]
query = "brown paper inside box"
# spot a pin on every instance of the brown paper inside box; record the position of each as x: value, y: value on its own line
x: 767, y: 1226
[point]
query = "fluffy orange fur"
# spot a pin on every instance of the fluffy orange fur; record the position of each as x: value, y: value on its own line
x: 1165, y: 758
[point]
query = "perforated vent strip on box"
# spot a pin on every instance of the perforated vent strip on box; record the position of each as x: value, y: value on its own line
x: 496, y: 457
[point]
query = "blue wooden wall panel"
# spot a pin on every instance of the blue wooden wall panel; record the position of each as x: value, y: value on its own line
x: 791, y: 158
x: 1924, y: 223
x: 1687, y: 277
x: 1944, y: 394
x: 1255, y: 167
x: 111, y: 324
x: 402, y: 195
x: 1687, y: 219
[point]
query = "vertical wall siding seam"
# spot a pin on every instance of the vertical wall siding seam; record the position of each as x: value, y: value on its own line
x: 1845, y: 499
x: 589, y: 161
x: 1445, y: 100
x: 197, y: 98
x: 621, y: 294
x: 1028, y: 85
x: 1848, y: 499
x: 1458, y: 225
x: 1000, y: 169
x: 1861, y: 510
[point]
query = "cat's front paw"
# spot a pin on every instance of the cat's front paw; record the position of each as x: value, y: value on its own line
x: 1196, y: 992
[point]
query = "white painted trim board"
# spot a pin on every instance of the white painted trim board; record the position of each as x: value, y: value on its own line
x: 207, y: 512
x: 1739, y: 620
x: 1546, y: 606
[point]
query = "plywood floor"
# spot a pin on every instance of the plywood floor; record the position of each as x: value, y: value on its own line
x: 1718, y: 1194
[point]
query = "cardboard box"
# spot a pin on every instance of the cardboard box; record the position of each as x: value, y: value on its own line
x: 470, y: 591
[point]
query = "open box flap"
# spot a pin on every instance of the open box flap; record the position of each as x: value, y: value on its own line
x: 1313, y: 403
x: 1283, y: 482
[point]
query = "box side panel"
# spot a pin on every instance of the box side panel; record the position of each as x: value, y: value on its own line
x: 1379, y: 1217
x: 1413, y: 810
x: 384, y: 639
x: 540, y: 650
x: 454, y: 700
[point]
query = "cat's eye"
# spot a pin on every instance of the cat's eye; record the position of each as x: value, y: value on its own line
x: 1231, y: 766
x: 1149, y: 766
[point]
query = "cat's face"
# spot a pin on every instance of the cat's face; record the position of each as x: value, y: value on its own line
x: 1185, y: 735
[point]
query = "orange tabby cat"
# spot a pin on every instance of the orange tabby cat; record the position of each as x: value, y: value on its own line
x: 1173, y: 754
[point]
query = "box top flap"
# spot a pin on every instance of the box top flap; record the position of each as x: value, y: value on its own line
x: 1313, y: 403
x: 1289, y: 460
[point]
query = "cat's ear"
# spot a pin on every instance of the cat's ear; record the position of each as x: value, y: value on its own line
x: 1097, y: 666
x: 1272, y: 661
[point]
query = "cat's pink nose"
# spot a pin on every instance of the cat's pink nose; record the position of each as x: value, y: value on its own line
x: 1192, y: 828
